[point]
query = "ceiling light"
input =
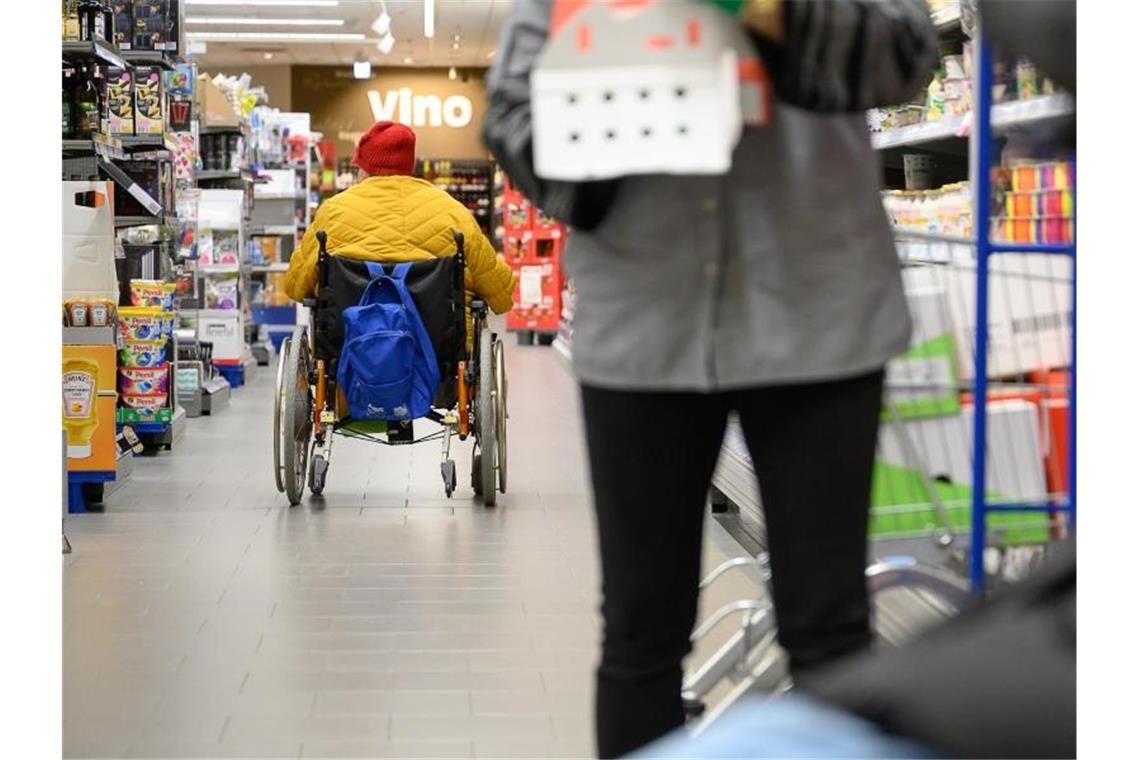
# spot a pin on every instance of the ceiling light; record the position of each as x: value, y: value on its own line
x: 276, y: 36
x: 408, y: 61
x: 386, y: 43
x: 451, y: 74
x: 491, y: 54
x: 270, y: 3
x: 429, y: 18
x: 245, y: 21
x: 455, y: 37
x: 361, y: 70
x: 455, y: 46
x: 268, y: 56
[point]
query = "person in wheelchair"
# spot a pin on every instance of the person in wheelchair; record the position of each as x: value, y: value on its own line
x: 391, y: 216
x: 399, y: 279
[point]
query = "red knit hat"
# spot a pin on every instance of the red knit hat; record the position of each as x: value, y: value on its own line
x: 386, y: 148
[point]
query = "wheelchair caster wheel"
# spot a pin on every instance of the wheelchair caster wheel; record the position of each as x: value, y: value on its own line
x: 477, y: 474
x: 447, y: 469
x: 317, y: 475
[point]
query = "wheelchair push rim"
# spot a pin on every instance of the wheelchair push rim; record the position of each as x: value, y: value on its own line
x: 485, y: 418
x: 296, y: 416
x: 499, y: 402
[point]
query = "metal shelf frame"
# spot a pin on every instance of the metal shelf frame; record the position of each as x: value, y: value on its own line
x: 986, y: 118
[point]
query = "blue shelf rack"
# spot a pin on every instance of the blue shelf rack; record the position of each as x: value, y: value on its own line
x: 981, y: 507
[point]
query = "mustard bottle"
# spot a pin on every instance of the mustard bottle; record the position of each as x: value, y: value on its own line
x: 80, y: 383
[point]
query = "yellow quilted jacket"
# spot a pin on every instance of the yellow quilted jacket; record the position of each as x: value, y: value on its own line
x: 401, y: 218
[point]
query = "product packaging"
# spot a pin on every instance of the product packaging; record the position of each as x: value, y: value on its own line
x: 222, y: 291
x: 120, y: 101
x: 144, y: 323
x: 918, y: 170
x: 88, y: 390
x: 226, y: 247
x: 144, y: 381
x: 155, y: 293
x: 1026, y: 80
x: 78, y: 312
x: 142, y: 353
x: 146, y: 174
x: 150, y: 101
x: 102, y: 312
x: 124, y: 23
x: 144, y: 403
x: 150, y: 25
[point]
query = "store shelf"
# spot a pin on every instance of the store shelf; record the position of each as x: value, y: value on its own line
x: 139, y: 221
x: 919, y: 134
x: 264, y: 268
x: 277, y: 197
x: 1044, y: 107
x: 1003, y: 116
x: 149, y: 58
x: 219, y: 268
x: 220, y: 130
x: 147, y: 142
x: 96, y: 50
x: 108, y: 147
x: 283, y: 229
x: 212, y: 174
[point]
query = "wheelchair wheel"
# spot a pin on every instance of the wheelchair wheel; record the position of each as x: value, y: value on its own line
x: 278, y: 394
x: 499, y: 370
x: 485, y: 417
x: 296, y: 426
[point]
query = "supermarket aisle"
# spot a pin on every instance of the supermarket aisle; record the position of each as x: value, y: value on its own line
x: 204, y: 617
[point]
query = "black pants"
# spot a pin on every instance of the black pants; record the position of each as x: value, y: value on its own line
x: 652, y: 457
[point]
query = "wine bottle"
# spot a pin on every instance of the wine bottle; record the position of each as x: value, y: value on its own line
x: 88, y: 114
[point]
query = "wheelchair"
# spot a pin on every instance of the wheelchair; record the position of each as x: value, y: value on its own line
x: 470, y: 401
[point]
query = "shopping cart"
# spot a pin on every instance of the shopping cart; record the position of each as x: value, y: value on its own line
x: 471, y: 398
x: 975, y: 476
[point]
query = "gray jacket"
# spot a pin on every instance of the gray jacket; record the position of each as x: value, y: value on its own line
x: 783, y: 270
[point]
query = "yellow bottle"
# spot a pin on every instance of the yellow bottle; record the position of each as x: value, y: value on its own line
x: 80, y: 384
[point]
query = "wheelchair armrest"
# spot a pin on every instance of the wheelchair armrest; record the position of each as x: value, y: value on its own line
x: 478, y: 308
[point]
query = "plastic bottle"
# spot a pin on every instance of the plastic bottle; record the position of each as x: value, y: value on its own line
x: 80, y: 381
x: 68, y: 106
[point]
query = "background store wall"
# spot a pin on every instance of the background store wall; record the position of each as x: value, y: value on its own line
x: 276, y: 79
x: 340, y: 108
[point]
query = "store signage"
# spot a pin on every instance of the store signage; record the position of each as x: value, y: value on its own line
x: 421, y: 110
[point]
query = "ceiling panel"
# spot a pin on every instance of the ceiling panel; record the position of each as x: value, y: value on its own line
x: 476, y: 22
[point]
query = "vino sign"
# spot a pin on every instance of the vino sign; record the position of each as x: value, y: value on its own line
x: 402, y: 105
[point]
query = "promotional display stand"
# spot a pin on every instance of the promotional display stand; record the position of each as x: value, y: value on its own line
x: 532, y: 245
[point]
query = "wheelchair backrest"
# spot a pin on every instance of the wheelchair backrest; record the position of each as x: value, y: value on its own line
x: 436, y: 286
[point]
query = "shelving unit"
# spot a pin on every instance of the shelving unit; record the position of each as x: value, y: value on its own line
x: 93, y: 50
x: 996, y: 476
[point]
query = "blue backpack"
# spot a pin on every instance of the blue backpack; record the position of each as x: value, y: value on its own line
x: 387, y: 369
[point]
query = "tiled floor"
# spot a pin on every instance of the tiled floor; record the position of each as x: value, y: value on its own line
x: 204, y: 617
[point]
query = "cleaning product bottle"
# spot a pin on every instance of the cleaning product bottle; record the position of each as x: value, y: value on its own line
x: 80, y: 381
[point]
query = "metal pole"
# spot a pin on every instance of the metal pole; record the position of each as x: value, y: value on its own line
x: 982, y: 97
x: 1073, y: 371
